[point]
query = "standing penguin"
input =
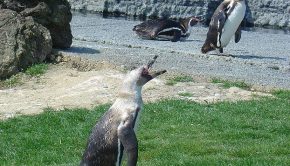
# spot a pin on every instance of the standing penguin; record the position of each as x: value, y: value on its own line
x: 225, y: 23
x: 114, y: 132
x: 166, y: 29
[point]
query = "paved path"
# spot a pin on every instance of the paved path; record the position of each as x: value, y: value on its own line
x: 261, y: 59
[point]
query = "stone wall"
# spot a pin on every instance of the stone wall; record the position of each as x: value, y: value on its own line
x: 259, y: 13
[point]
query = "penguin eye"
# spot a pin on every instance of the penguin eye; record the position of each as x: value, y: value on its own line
x: 192, y: 22
x: 145, y: 71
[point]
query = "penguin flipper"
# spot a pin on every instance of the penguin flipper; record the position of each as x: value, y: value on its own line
x: 221, y: 18
x: 219, y: 23
x: 150, y: 28
x: 238, y: 34
x: 176, y: 35
x: 129, y: 141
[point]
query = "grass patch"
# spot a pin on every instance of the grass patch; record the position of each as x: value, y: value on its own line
x: 174, y: 80
x: 185, y: 94
x: 13, y: 81
x: 19, y: 78
x: 171, y: 132
x: 52, y: 138
x: 282, y: 94
x: 228, y: 84
x: 37, y: 69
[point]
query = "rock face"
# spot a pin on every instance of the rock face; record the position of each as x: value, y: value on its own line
x: 259, y: 13
x: 22, y: 42
x: 55, y: 15
x: 269, y: 12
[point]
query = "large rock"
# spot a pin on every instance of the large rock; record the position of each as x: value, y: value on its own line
x: 22, y: 42
x: 55, y: 15
x: 260, y: 12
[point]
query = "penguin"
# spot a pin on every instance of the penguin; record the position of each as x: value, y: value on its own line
x: 225, y: 23
x: 114, y: 133
x: 166, y: 29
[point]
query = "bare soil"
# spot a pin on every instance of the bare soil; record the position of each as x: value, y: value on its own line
x: 78, y: 84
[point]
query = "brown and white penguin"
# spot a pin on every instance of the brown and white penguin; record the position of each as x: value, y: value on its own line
x: 114, y: 132
x: 166, y: 29
x: 225, y: 23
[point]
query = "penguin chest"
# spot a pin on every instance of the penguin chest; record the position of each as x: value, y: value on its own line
x: 130, y: 120
x: 170, y: 34
x: 232, y: 23
x: 166, y: 34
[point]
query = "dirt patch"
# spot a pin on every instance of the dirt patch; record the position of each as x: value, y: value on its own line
x: 75, y: 83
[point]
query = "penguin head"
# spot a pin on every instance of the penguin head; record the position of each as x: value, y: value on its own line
x: 146, y: 75
x: 142, y: 75
x: 193, y: 21
x: 190, y: 22
x: 207, y: 47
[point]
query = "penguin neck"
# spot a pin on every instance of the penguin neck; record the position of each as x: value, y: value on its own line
x: 184, y: 25
x: 188, y: 28
x: 131, y: 91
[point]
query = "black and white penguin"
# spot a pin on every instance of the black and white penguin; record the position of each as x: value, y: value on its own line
x: 166, y: 29
x: 115, y: 131
x: 225, y: 23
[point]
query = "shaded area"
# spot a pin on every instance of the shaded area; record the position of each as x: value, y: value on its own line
x: 82, y: 50
x: 257, y: 57
x: 248, y: 20
x: 243, y: 56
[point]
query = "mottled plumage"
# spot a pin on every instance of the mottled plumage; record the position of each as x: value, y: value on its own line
x: 166, y: 29
x: 114, y: 132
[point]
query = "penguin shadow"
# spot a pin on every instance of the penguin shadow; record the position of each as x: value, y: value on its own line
x: 248, y: 56
x: 193, y: 40
x: 82, y: 50
x: 257, y: 57
x: 248, y: 17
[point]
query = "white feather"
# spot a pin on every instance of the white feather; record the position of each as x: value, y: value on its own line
x: 119, y: 153
x: 232, y: 23
x: 170, y: 29
x: 218, y: 35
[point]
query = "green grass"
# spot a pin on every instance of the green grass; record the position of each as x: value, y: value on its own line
x: 171, y: 132
x: 174, y: 80
x: 37, y: 69
x: 282, y: 94
x: 228, y: 84
x: 11, y: 82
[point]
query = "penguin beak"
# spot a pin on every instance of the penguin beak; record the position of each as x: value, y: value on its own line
x: 200, y: 19
x: 195, y: 20
x: 151, y: 62
x: 157, y: 73
x: 150, y: 75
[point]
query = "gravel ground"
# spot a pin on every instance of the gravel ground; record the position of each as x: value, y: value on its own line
x: 260, y: 59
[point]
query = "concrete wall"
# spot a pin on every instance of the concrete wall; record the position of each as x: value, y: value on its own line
x: 259, y: 13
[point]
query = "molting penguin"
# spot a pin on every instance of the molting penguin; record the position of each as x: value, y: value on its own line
x: 166, y: 29
x: 225, y: 22
x: 114, y: 132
